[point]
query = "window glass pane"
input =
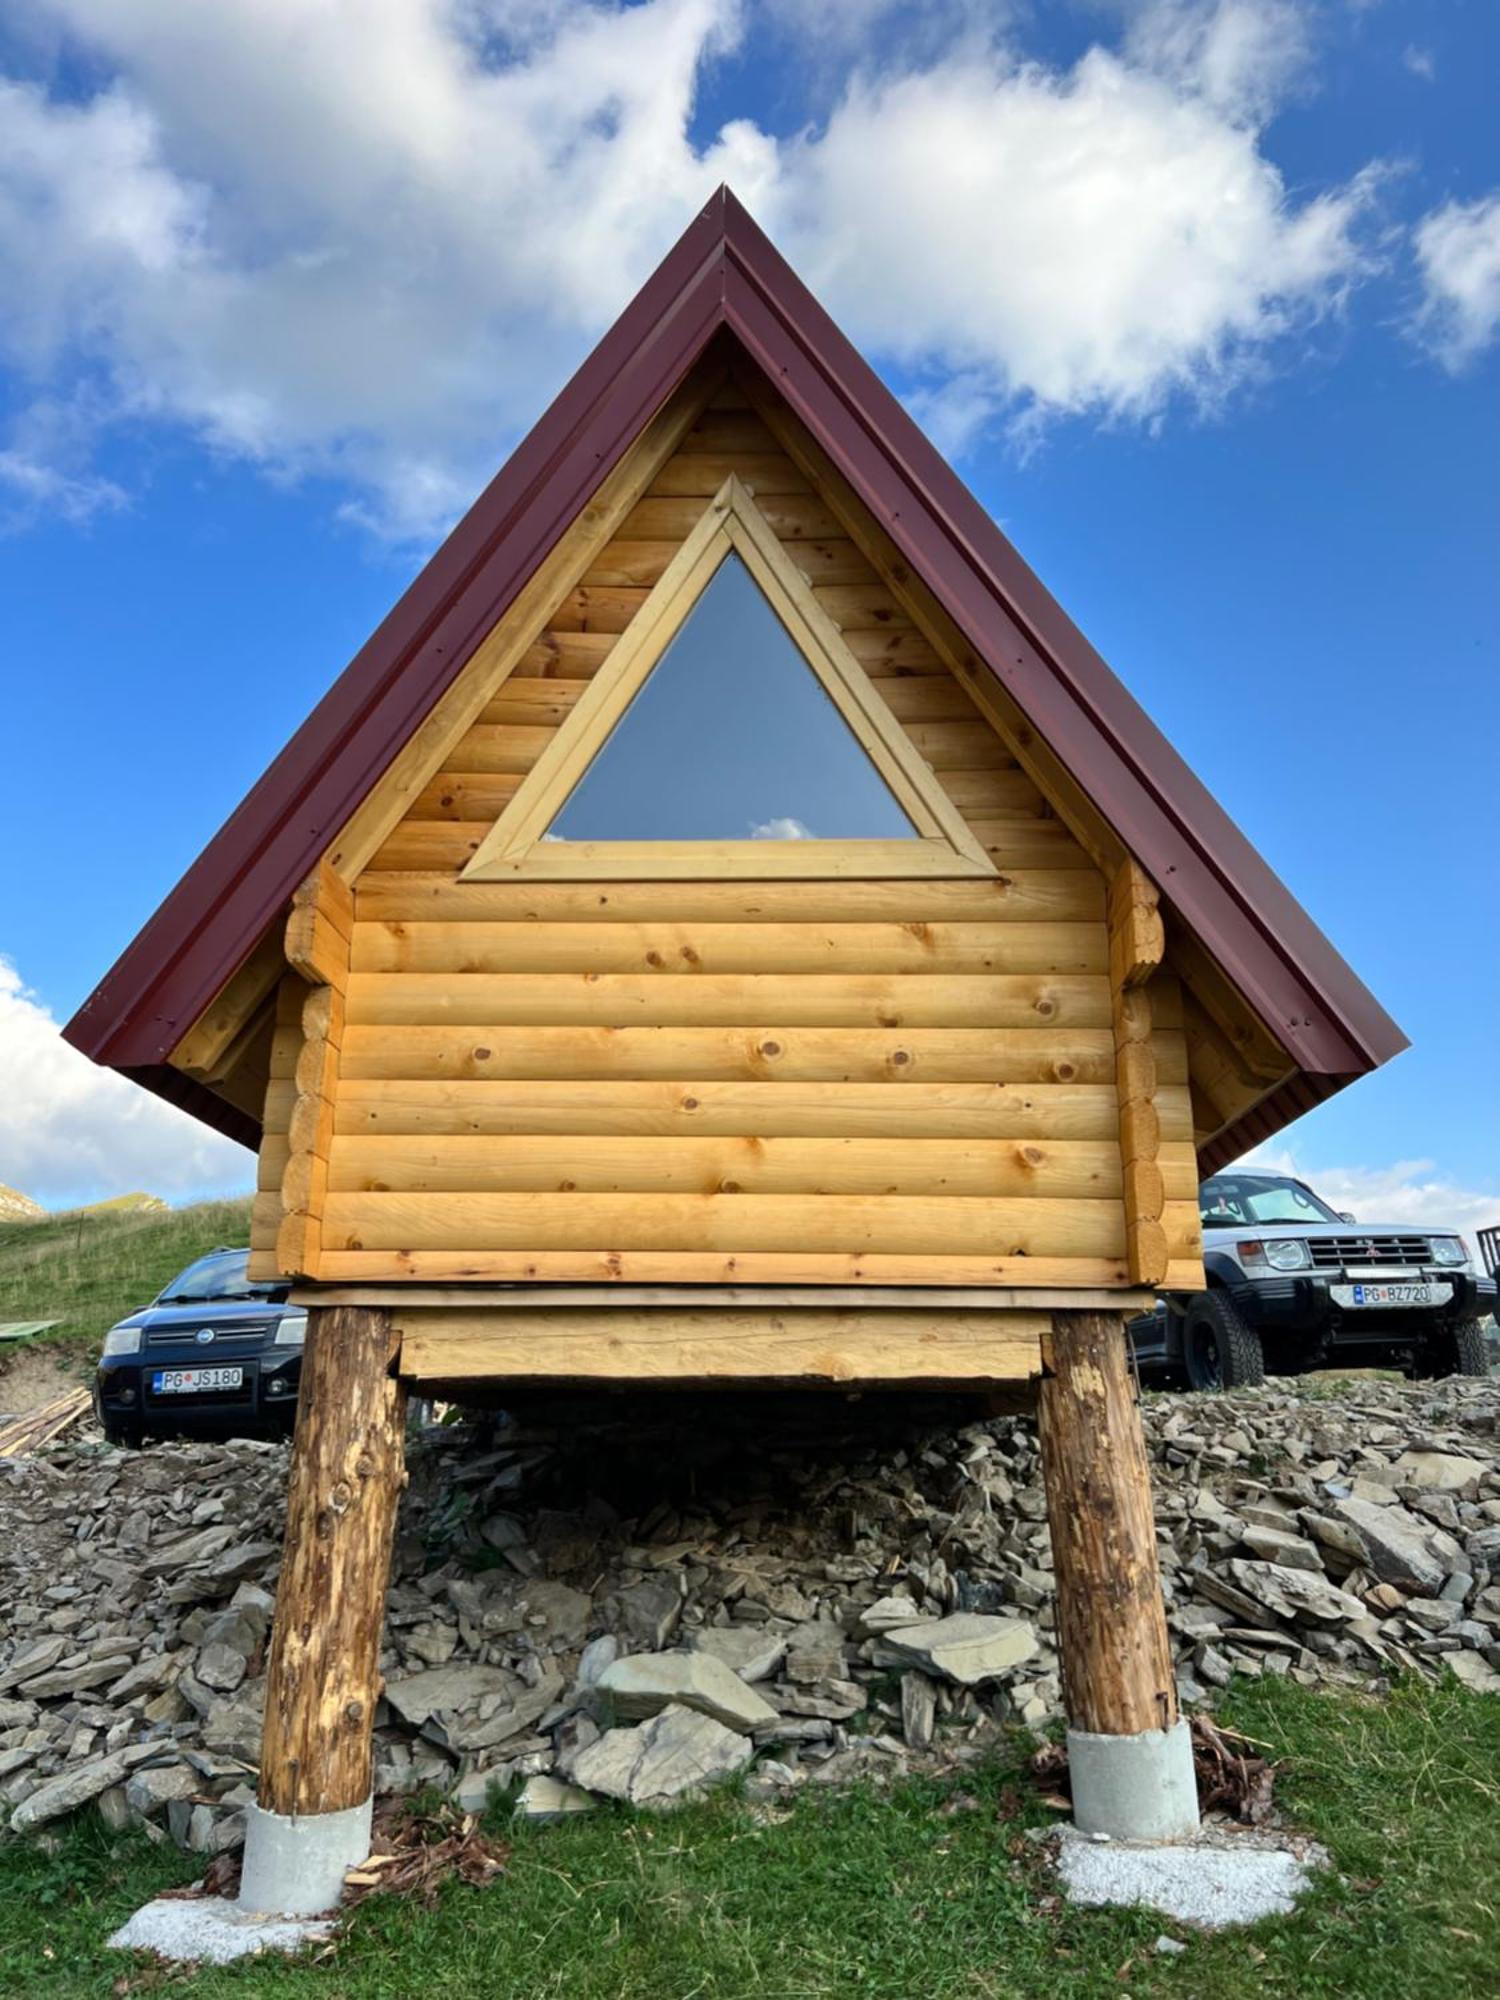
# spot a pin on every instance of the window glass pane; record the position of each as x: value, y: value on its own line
x: 731, y: 737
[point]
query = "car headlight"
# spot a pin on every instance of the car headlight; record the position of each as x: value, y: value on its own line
x: 291, y: 1330
x: 122, y: 1340
x: 1281, y: 1253
x: 1449, y: 1250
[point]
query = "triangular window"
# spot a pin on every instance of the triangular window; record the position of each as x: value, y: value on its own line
x: 731, y: 737
x: 731, y: 732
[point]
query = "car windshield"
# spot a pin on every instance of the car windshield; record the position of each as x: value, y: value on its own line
x: 218, y: 1276
x: 1229, y: 1202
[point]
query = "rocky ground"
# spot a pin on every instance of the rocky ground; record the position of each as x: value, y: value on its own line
x: 615, y: 1601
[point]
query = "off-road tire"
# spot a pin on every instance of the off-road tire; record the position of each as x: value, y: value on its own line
x: 1218, y: 1349
x: 129, y: 1437
x: 1458, y: 1350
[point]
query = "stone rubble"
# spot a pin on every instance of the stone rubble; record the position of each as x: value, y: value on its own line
x: 601, y: 1605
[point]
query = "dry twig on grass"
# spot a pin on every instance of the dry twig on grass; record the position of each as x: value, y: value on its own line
x: 414, y: 1850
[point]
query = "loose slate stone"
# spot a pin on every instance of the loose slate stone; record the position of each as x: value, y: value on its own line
x: 676, y: 1754
x: 545, y: 1799
x: 968, y: 1648
x: 1439, y: 1471
x: 1400, y: 1546
x: 445, y: 1690
x: 645, y: 1683
x: 747, y: 1650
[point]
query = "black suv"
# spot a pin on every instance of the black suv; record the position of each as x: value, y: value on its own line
x: 214, y: 1356
x: 1293, y: 1285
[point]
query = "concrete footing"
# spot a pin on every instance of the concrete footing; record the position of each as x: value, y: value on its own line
x: 1134, y: 1787
x: 296, y: 1867
x: 206, y: 1930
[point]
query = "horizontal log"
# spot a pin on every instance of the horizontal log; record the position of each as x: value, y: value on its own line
x: 961, y: 746
x: 537, y: 705
x: 910, y: 1225
x: 709, y: 999
x: 1002, y: 793
x: 564, y: 655
x: 867, y: 1055
x: 1027, y: 895
x: 670, y: 518
x: 429, y: 844
x: 930, y: 698
x: 506, y: 746
x: 833, y: 560
x: 697, y: 1267
x: 574, y: 1164
x: 862, y: 607
x: 701, y: 474
x: 464, y: 795
x: 1026, y: 843
x: 772, y: 1110
x: 725, y: 430
x: 609, y: 608
x: 806, y: 1346
x: 697, y: 949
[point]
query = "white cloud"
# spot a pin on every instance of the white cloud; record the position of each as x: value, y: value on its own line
x: 781, y: 829
x: 366, y: 238
x: 71, y: 1132
x: 1458, y: 251
x: 1406, y: 1191
x: 1421, y: 62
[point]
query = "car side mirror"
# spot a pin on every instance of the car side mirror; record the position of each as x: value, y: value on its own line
x: 1344, y: 1216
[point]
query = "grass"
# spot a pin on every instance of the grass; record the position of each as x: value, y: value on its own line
x: 89, y: 1268
x: 930, y: 1893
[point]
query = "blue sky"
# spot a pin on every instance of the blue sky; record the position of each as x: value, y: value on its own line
x: 1203, y: 295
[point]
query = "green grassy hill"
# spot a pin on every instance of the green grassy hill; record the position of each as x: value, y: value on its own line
x: 92, y: 1266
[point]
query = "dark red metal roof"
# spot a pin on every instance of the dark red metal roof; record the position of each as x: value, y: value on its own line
x: 724, y: 274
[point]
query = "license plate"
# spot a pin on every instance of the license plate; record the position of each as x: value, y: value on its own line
x: 1386, y: 1296
x: 194, y: 1381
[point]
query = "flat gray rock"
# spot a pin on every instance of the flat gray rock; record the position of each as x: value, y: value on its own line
x: 645, y: 1683
x: 747, y: 1650
x: 1296, y: 1593
x: 74, y: 1787
x: 675, y: 1754
x: 968, y: 1648
x: 1439, y: 1471
x: 889, y: 1614
x: 445, y: 1690
x: 1399, y: 1546
x: 547, y: 1799
x: 1276, y: 1545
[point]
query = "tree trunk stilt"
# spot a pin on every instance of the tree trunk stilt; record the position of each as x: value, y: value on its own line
x: 322, y: 1679
x: 1129, y: 1752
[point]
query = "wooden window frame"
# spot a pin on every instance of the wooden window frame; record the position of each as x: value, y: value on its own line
x: 731, y: 524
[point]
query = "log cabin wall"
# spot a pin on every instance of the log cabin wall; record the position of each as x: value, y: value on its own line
x: 886, y: 1082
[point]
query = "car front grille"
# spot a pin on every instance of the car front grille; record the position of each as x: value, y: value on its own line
x: 1331, y: 1253
x: 235, y: 1338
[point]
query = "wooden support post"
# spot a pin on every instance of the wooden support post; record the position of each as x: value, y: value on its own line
x: 1130, y: 1757
x: 323, y: 1681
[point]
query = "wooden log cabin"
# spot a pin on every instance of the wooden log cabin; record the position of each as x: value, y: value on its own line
x: 726, y: 927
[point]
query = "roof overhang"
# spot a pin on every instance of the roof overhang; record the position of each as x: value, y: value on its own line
x: 724, y: 277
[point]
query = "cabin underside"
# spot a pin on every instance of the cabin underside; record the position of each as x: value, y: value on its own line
x: 990, y: 1080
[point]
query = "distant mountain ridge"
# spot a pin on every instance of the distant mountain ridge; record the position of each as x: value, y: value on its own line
x: 18, y: 1207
